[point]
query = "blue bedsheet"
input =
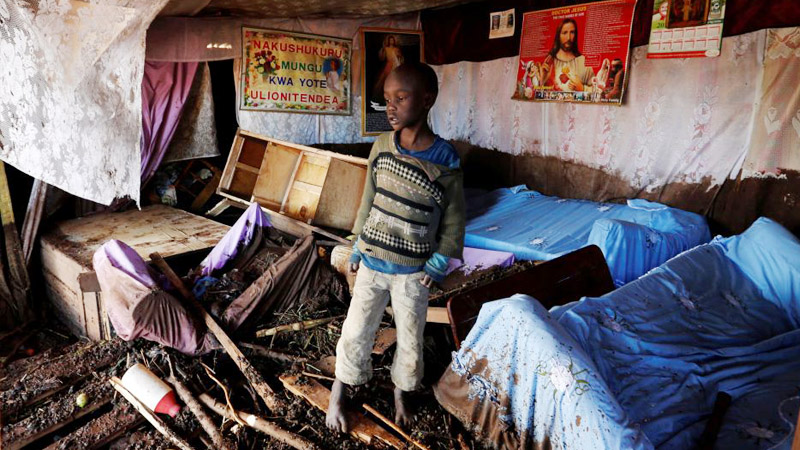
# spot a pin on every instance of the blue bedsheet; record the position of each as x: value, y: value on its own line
x: 654, y: 353
x: 634, y: 237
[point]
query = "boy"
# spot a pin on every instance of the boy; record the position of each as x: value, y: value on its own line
x: 411, y: 221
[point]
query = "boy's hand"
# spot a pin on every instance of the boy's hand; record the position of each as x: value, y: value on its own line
x: 354, y: 267
x: 426, y: 281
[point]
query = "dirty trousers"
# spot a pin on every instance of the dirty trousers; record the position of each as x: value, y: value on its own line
x: 371, y: 294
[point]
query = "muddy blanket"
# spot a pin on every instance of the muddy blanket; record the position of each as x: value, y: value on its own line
x: 140, y: 305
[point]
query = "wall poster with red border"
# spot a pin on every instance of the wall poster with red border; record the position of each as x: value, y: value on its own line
x: 575, y: 53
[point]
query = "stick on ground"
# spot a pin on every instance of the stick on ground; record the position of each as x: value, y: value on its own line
x: 259, y: 424
x: 297, y: 326
x: 394, y: 426
x: 157, y: 423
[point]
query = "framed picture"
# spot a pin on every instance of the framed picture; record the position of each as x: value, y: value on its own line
x: 383, y: 50
x: 294, y: 72
x: 687, y: 13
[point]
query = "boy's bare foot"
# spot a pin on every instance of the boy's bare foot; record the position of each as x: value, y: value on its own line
x: 336, y: 419
x: 403, y: 415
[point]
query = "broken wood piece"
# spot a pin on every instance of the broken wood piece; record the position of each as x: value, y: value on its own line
x: 251, y: 374
x: 260, y: 350
x: 361, y: 427
x: 61, y: 412
x: 316, y: 375
x: 436, y: 314
x: 394, y: 426
x: 33, y: 217
x: 258, y: 423
x: 157, y: 423
x: 297, y: 326
x: 194, y: 406
x: 385, y: 339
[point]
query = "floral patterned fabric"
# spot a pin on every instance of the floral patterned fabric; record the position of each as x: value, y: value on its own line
x: 70, y: 92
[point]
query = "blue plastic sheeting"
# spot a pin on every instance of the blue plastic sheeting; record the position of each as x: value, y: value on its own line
x: 634, y: 237
x: 720, y: 317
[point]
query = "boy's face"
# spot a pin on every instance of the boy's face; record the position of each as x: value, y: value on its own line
x: 407, y: 103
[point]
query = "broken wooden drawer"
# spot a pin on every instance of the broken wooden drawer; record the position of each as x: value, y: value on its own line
x: 67, y: 252
x: 313, y: 186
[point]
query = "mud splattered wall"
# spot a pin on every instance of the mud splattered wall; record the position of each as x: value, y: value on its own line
x: 683, y: 136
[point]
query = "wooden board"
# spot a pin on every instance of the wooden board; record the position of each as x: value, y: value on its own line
x: 361, y: 427
x: 436, y: 314
x: 297, y: 181
x: 385, y: 339
x: 158, y: 228
x: 341, y: 195
x: 275, y: 175
x: 559, y: 281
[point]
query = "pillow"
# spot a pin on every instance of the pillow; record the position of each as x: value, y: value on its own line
x: 770, y: 256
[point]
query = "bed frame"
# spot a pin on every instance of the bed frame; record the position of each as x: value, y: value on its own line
x: 581, y: 273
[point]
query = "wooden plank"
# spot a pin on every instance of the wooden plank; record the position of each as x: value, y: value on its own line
x: 230, y: 165
x: 385, y: 339
x: 301, y: 203
x: 291, y: 180
x: 275, y: 175
x: 361, y: 427
x: 253, y: 149
x: 157, y: 228
x: 435, y: 314
x: 246, y: 168
x: 305, y: 148
x: 219, y: 207
x: 65, y: 301
x: 206, y: 193
x: 242, y: 184
x: 88, y: 282
x: 91, y: 308
x: 18, y: 435
x: 33, y: 217
x: 567, y: 278
x: 341, y: 195
x: 313, y: 169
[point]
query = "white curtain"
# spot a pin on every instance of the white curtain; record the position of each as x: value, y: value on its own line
x: 70, y: 92
x: 683, y: 120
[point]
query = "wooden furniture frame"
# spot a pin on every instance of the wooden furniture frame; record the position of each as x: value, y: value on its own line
x: 302, y: 188
x: 581, y: 273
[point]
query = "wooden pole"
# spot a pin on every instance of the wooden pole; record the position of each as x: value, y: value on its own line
x: 255, y: 379
x: 297, y: 326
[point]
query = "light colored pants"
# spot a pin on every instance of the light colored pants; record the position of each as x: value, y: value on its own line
x: 371, y: 294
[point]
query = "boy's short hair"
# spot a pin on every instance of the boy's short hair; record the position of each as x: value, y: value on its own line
x: 423, y: 73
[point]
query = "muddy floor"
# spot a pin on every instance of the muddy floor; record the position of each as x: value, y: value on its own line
x: 40, y: 391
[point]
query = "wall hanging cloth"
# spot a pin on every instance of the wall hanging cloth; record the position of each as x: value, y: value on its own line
x: 70, y: 93
x: 196, y: 134
x: 165, y: 88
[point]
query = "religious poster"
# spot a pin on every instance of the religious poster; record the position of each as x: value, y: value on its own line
x: 686, y: 29
x: 294, y: 72
x: 575, y: 53
x: 384, y: 49
x: 501, y: 24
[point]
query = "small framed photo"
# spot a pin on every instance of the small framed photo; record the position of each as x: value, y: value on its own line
x: 383, y: 50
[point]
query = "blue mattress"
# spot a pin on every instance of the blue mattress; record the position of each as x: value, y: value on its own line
x: 644, y: 363
x: 634, y: 237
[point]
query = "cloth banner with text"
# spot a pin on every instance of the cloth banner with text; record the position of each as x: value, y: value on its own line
x: 294, y: 72
x: 575, y: 53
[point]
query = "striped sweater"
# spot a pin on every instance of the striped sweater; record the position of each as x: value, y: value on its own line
x: 410, y: 208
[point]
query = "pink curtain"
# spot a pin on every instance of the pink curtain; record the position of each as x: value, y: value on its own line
x: 165, y: 87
